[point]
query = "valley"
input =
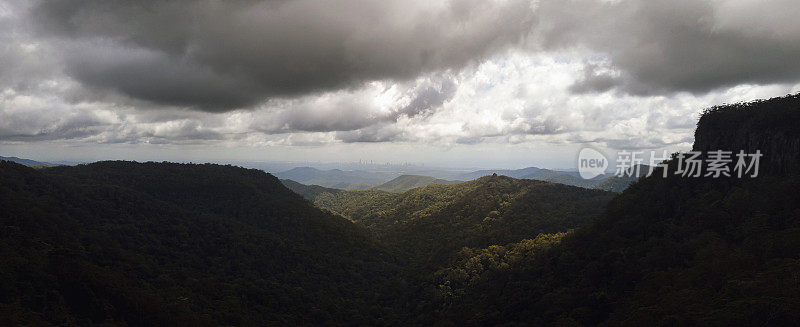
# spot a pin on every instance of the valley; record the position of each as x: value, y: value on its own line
x: 120, y: 242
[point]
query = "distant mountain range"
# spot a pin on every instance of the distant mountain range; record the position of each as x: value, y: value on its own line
x: 390, y: 182
x: 336, y: 178
x: 608, y: 181
x: 398, y: 182
x: 27, y: 162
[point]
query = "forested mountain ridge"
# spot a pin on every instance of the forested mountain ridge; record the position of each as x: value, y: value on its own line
x: 159, y: 243
x: 308, y: 191
x: 431, y: 223
x: 674, y: 251
x: 771, y: 126
x: 406, y: 182
x: 513, y: 173
x: 562, y: 177
x: 492, y: 210
x: 27, y: 162
x: 363, y: 180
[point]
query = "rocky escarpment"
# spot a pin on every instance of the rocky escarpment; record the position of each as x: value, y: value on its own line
x: 771, y: 126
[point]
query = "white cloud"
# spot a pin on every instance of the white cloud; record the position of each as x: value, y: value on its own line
x: 567, y: 88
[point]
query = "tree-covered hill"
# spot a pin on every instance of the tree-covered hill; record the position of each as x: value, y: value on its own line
x: 309, y: 192
x: 615, y: 184
x: 513, y: 173
x: 566, y: 179
x: 606, y: 182
x: 490, y: 210
x: 27, y: 162
x: 406, y: 182
x: 124, y: 243
x: 429, y: 224
x: 675, y: 251
x: 618, y: 184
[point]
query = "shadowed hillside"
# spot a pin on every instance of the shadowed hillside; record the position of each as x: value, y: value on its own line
x: 173, y: 244
x: 771, y: 126
x: 675, y: 251
x: 429, y: 224
x: 308, y: 191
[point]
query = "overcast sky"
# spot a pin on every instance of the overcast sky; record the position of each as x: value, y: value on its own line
x: 505, y: 83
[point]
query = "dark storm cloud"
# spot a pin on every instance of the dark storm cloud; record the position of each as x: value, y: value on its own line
x: 154, y: 76
x: 377, y: 71
x: 430, y: 95
x: 339, y: 112
x: 22, y: 65
x: 663, y: 46
x: 223, y: 55
x: 32, y: 125
x: 594, y: 81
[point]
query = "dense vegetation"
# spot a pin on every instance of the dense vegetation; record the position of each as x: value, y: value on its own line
x: 675, y: 251
x: 27, y: 162
x: 429, y: 224
x: 615, y: 184
x: 490, y: 210
x: 566, y: 179
x: 666, y: 252
x: 308, y: 191
x: 156, y: 243
x: 771, y: 126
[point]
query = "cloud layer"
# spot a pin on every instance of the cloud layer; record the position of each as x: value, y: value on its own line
x: 663, y: 46
x: 455, y: 73
x: 224, y: 55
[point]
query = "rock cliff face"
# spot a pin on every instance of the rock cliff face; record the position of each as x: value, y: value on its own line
x: 771, y: 126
